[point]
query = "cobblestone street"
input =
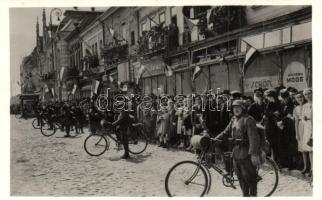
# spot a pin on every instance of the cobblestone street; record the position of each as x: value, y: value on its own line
x: 60, y: 167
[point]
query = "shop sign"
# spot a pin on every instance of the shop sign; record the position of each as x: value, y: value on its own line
x: 250, y: 84
x: 294, y: 76
x: 153, y: 66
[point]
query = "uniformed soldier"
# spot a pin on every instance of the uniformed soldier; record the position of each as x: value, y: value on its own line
x: 246, y: 147
x: 124, y: 121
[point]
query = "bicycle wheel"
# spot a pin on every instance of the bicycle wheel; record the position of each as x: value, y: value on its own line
x: 186, y: 178
x: 96, y: 145
x: 46, y: 130
x: 268, y: 178
x: 138, y: 142
x: 35, y: 124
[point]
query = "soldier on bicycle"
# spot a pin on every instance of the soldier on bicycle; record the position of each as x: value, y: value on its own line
x: 246, y: 147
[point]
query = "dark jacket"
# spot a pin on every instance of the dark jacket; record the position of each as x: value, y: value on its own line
x: 123, y: 120
x: 243, y: 128
x: 257, y: 111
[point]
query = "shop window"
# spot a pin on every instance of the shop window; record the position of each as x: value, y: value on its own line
x: 124, y: 31
x: 155, y: 85
x: 132, y: 38
x: 147, y: 85
x: 174, y: 20
x: 161, y: 83
x: 101, y: 44
x: 171, y: 85
x: 144, y: 27
x: 96, y: 48
x: 273, y: 38
x: 198, y: 55
x: 302, y: 32
x: 286, y: 35
x: 186, y: 82
x: 178, y: 83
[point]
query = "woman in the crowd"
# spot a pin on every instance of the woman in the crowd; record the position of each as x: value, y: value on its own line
x: 299, y: 129
x: 307, y: 116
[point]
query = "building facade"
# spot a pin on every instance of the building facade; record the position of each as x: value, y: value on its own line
x: 111, y: 47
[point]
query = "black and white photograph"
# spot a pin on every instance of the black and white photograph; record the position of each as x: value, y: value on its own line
x: 161, y: 101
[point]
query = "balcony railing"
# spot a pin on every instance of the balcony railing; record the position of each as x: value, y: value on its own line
x: 159, y: 38
x: 114, y: 53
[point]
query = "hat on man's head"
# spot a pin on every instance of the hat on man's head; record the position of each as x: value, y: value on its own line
x: 235, y: 94
x: 240, y: 103
x: 292, y: 89
x: 270, y: 93
x: 259, y: 92
x: 284, y: 93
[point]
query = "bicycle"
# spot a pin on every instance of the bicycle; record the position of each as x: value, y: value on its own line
x: 194, y: 178
x: 36, y: 124
x: 97, y: 143
x: 57, y: 123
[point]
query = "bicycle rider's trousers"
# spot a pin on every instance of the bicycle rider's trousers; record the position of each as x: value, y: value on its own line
x: 247, y: 176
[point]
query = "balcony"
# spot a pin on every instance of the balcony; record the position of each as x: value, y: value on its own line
x: 222, y: 19
x: 114, y: 53
x: 91, y: 61
x: 159, y: 39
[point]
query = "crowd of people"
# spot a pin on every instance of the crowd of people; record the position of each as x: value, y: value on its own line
x: 284, y: 114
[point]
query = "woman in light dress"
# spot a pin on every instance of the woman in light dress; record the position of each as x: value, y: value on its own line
x: 299, y: 129
x: 307, y: 116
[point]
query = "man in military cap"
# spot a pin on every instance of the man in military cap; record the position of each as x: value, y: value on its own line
x: 246, y: 147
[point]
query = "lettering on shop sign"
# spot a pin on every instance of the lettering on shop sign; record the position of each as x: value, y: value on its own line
x: 294, y: 76
x: 251, y: 84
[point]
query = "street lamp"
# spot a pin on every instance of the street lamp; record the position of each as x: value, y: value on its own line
x: 58, y: 12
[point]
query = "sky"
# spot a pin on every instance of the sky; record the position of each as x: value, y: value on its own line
x: 23, y: 37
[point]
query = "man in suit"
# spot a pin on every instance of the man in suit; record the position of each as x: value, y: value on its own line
x: 246, y: 147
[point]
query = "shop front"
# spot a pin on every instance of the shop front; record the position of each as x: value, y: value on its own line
x: 153, y: 77
x: 283, y: 59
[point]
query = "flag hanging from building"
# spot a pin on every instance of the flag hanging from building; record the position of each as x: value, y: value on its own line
x: 111, y: 31
x: 249, y: 57
x: 168, y: 70
x: 97, y: 83
x: 53, y: 92
x: 61, y: 73
x: 74, y: 89
x: 46, y: 88
x: 196, y: 73
x: 111, y: 78
x: 140, y: 72
x: 191, y: 23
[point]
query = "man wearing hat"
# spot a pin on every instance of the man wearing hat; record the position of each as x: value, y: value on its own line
x: 257, y: 109
x: 246, y: 147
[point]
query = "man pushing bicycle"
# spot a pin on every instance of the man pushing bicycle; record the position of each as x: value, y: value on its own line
x: 246, y: 147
